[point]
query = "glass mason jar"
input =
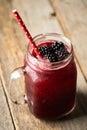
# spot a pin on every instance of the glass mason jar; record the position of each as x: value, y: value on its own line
x: 50, y: 87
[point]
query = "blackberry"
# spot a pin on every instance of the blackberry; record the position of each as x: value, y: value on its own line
x: 54, y: 52
x: 55, y: 46
x: 61, y: 44
x: 52, y: 58
x: 60, y: 56
x: 65, y: 53
x: 42, y: 50
x: 48, y: 50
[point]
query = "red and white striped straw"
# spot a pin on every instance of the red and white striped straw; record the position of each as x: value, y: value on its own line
x: 28, y: 35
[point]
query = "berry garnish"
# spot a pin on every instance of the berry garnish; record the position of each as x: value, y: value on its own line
x: 45, y: 50
x: 54, y: 52
x: 52, y: 57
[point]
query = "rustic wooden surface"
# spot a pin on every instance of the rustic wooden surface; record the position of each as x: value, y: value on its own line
x: 68, y: 17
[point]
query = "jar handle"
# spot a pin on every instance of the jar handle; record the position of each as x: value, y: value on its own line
x: 16, y: 89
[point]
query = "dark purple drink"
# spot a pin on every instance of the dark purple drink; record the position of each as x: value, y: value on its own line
x: 51, y: 85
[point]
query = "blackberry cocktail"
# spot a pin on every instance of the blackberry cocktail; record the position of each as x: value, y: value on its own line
x: 51, y: 81
x: 50, y: 74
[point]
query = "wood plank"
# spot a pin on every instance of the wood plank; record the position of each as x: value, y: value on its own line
x: 33, y: 18
x: 5, y: 117
x: 13, y: 45
x: 72, y: 15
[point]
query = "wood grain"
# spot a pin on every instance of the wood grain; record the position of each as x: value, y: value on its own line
x: 72, y: 15
x: 38, y: 17
x: 5, y: 117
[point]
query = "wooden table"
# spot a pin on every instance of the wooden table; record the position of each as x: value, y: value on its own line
x: 68, y: 17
